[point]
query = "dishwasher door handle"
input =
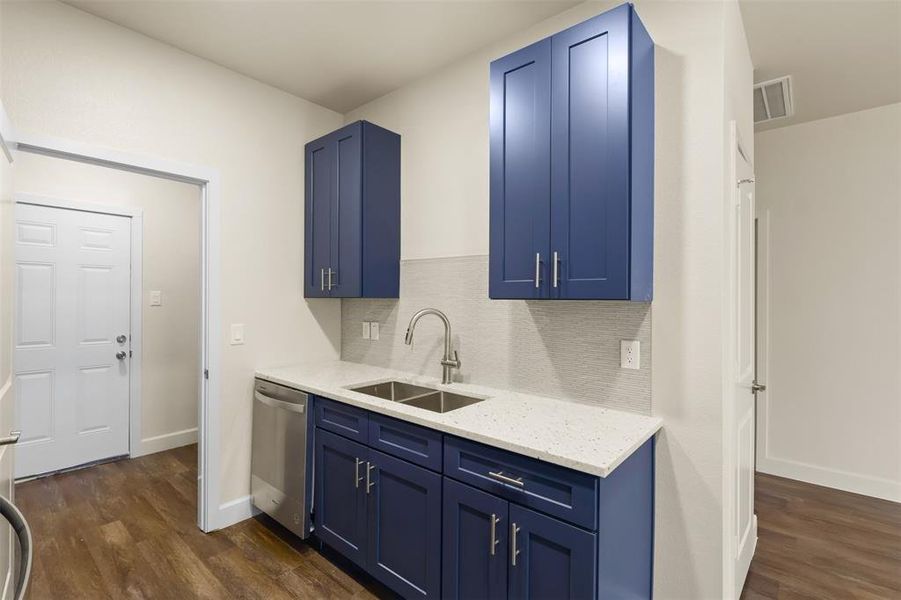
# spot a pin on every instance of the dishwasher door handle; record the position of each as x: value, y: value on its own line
x: 276, y: 403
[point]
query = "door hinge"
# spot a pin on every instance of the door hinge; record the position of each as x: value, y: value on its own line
x: 206, y: 373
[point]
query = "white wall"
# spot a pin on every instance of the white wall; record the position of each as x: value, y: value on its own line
x: 829, y: 207
x: 443, y: 120
x: 171, y: 264
x: 68, y: 74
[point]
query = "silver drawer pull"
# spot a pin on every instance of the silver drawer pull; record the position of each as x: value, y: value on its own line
x: 494, y: 541
x: 537, y: 270
x: 517, y: 481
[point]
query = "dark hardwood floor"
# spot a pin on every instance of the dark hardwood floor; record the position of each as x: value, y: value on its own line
x: 126, y: 529
x: 817, y: 542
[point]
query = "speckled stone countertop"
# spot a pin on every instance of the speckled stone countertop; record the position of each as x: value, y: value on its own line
x: 586, y: 438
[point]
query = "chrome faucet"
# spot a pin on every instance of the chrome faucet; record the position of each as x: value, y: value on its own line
x: 448, y: 362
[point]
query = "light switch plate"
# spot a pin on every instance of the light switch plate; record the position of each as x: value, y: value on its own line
x: 374, y: 330
x: 237, y: 334
x: 365, y: 330
x: 156, y: 298
x: 630, y: 354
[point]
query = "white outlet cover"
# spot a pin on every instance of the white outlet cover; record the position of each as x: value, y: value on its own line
x: 237, y: 334
x: 366, y: 330
x: 156, y: 298
x: 374, y: 330
x: 630, y: 354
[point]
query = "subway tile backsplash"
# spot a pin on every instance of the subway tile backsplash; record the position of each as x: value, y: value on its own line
x: 562, y: 349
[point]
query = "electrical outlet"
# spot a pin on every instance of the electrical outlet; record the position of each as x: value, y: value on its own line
x: 156, y: 298
x: 237, y: 334
x: 366, y: 330
x: 374, y: 330
x: 629, y: 354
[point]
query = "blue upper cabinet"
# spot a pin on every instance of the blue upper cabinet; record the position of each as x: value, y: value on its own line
x: 520, y: 172
x: 352, y: 214
x: 572, y: 164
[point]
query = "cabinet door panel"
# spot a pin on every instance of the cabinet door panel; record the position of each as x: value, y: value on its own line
x: 520, y: 172
x: 404, y: 526
x: 590, y: 158
x: 347, y: 213
x: 318, y: 217
x: 340, y: 509
x: 553, y: 559
x: 471, y: 568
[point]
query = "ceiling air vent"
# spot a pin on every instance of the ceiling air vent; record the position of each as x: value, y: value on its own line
x: 773, y: 99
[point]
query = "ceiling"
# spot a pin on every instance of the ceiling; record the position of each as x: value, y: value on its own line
x: 843, y: 56
x: 339, y: 54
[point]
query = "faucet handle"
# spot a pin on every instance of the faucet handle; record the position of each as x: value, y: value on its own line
x: 452, y: 362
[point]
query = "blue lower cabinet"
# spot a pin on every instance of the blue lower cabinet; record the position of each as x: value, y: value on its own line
x: 404, y: 549
x: 475, y: 544
x: 340, y: 506
x: 549, y: 558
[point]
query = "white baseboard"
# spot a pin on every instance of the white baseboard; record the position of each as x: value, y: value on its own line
x: 167, y: 441
x: 867, y: 485
x: 235, y: 511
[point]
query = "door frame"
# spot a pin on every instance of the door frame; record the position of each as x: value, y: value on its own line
x: 210, y: 514
x: 136, y: 293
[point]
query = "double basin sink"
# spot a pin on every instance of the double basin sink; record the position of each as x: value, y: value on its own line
x: 439, y: 401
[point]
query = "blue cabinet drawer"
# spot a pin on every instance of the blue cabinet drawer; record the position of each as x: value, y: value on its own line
x: 410, y: 442
x: 551, y: 489
x: 343, y: 419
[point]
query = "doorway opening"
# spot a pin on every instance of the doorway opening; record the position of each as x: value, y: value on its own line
x: 88, y: 192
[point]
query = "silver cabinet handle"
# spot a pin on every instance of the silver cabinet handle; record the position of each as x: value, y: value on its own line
x: 369, y: 484
x: 556, y: 268
x: 514, y: 552
x: 517, y: 481
x: 322, y: 279
x: 537, y: 270
x: 757, y: 387
x: 121, y: 354
x: 12, y: 438
x: 357, y: 478
x: 330, y: 273
x: 494, y: 540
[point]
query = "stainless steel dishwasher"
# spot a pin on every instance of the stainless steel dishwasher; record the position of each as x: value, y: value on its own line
x: 278, y: 481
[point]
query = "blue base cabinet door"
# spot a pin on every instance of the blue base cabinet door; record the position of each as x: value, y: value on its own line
x: 549, y: 558
x: 475, y: 544
x: 340, y: 506
x: 404, y: 526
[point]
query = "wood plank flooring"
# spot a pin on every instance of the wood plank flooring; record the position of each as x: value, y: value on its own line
x: 127, y: 529
x: 817, y: 542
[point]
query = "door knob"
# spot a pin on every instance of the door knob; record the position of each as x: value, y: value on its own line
x: 12, y: 438
x: 121, y: 354
x: 121, y: 339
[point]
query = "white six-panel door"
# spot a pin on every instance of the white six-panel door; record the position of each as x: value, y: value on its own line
x: 72, y: 272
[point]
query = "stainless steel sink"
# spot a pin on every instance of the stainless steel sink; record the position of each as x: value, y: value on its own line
x: 396, y: 391
x: 441, y: 402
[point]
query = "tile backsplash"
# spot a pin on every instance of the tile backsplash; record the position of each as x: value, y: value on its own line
x: 562, y: 349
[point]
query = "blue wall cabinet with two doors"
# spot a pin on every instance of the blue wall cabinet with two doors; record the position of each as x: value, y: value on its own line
x: 435, y: 516
x: 352, y: 213
x: 572, y: 164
